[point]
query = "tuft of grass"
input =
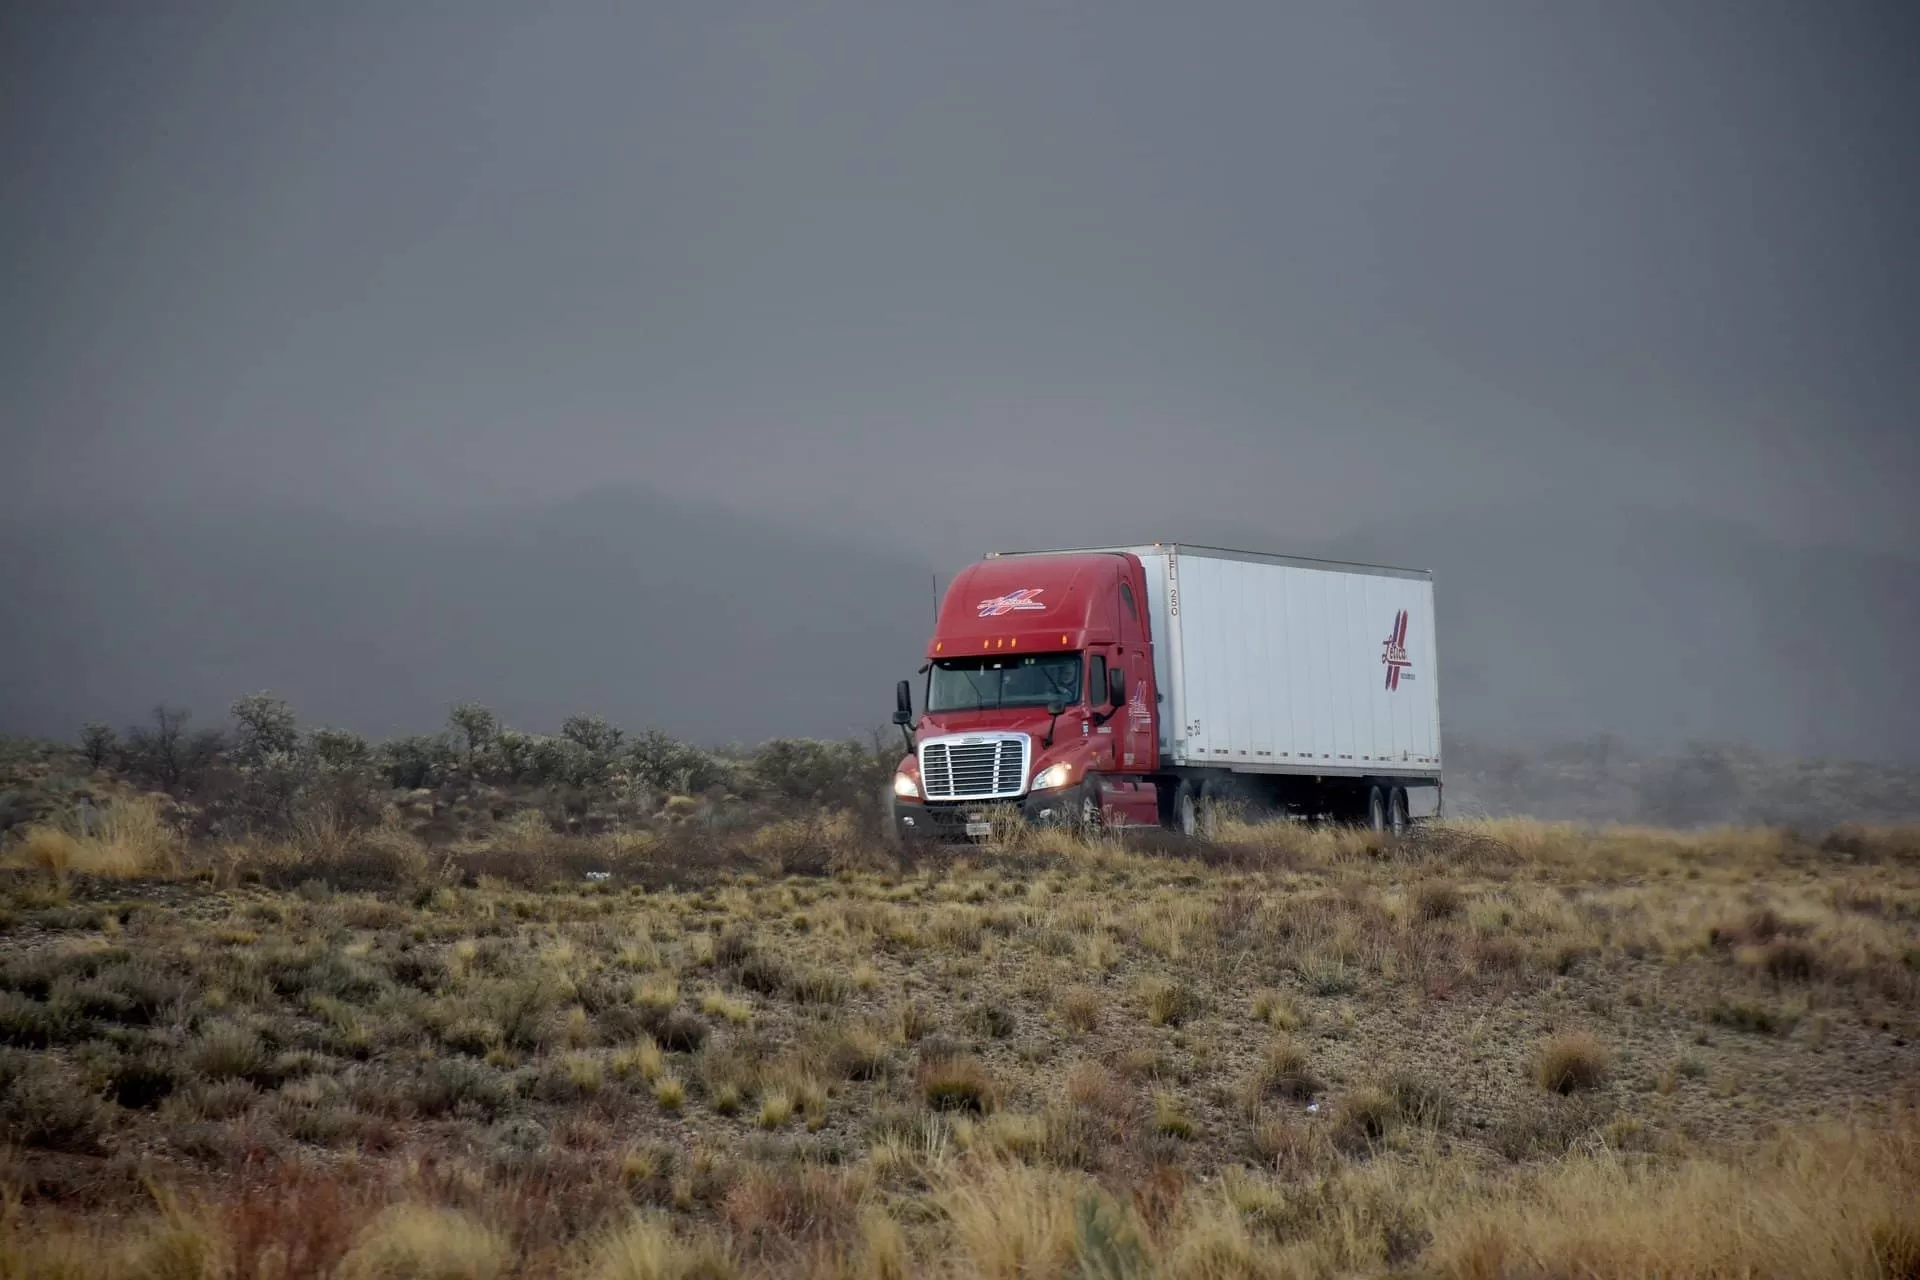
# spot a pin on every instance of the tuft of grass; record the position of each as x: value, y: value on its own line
x: 416, y: 1242
x: 129, y: 838
x: 645, y: 1248
x: 776, y: 1108
x: 956, y: 1083
x: 993, y: 1020
x: 1080, y: 1008
x: 1283, y: 1072
x: 1569, y: 1062
x: 642, y: 1059
x: 1280, y: 1010
x: 656, y: 994
x: 1168, y: 1002
x: 818, y: 987
x: 717, y: 1004
x: 1437, y: 900
x: 1362, y: 1120
x: 669, y: 1093
x: 1170, y: 1116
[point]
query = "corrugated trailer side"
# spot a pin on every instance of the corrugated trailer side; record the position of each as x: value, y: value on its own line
x: 1279, y: 665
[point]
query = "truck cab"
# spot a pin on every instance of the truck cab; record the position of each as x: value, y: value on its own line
x: 1039, y: 694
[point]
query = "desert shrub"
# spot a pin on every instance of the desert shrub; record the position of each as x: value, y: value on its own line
x: 44, y: 1107
x: 166, y: 753
x: 662, y: 762
x: 339, y: 751
x: 459, y: 1085
x: 553, y: 761
x: 475, y: 727
x: 99, y: 744
x: 265, y: 726
x: 417, y: 760
x: 593, y: 735
x: 843, y: 775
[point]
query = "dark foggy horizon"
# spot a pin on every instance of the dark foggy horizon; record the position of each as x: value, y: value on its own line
x: 334, y: 337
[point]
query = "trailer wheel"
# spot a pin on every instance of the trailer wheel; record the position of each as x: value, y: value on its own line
x: 1376, y: 809
x: 1397, y: 812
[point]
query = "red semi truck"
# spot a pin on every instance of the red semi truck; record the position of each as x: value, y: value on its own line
x: 1144, y: 685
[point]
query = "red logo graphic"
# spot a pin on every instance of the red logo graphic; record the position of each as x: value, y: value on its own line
x: 1137, y: 706
x: 1395, y: 655
x: 1021, y: 601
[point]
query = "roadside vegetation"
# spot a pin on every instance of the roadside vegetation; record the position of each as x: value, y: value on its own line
x: 522, y: 1025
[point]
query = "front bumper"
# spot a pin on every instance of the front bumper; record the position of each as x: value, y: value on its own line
x: 948, y: 820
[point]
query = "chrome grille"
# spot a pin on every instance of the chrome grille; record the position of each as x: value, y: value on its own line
x: 974, y: 767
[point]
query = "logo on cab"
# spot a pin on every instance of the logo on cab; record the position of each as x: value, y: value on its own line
x: 1025, y: 600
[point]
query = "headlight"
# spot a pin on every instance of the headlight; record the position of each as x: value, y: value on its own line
x: 1054, y: 775
x: 904, y: 784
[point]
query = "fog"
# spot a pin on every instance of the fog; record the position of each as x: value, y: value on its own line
x: 653, y: 360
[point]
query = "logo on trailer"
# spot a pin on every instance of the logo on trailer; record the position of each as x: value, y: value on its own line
x: 1395, y: 654
x: 1025, y: 600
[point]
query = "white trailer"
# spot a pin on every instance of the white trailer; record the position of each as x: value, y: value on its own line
x: 1285, y: 670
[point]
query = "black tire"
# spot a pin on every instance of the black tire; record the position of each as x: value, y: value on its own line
x: 889, y: 821
x: 1189, y: 812
x: 1376, y: 809
x: 1089, y: 815
x: 1397, y: 819
x: 1191, y: 815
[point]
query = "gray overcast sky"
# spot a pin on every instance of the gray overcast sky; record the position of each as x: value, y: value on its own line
x: 919, y: 267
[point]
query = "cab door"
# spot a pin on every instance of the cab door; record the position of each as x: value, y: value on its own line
x: 1133, y: 721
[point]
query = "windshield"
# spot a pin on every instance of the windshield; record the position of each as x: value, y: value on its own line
x: 989, y: 683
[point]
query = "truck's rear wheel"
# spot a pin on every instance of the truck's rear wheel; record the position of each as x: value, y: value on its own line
x: 1397, y: 812
x: 1376, y: 809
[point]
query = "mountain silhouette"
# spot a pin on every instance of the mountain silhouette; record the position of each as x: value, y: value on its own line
x: 1556, y: 623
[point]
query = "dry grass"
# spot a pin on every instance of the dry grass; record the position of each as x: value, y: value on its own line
x: 1832, y: 1203
x: 417, y: 1242
x: 125, y: 838
x: 1498, y: 1049
x: 1571, y: 1061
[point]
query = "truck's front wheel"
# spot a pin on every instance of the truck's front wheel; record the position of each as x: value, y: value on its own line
x: 1091, y: 814
x: 1191, y: 816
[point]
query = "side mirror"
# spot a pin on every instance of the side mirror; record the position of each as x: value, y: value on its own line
x: 903, y: 703
x: 1056, y: 705
x: 1116, y: 687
